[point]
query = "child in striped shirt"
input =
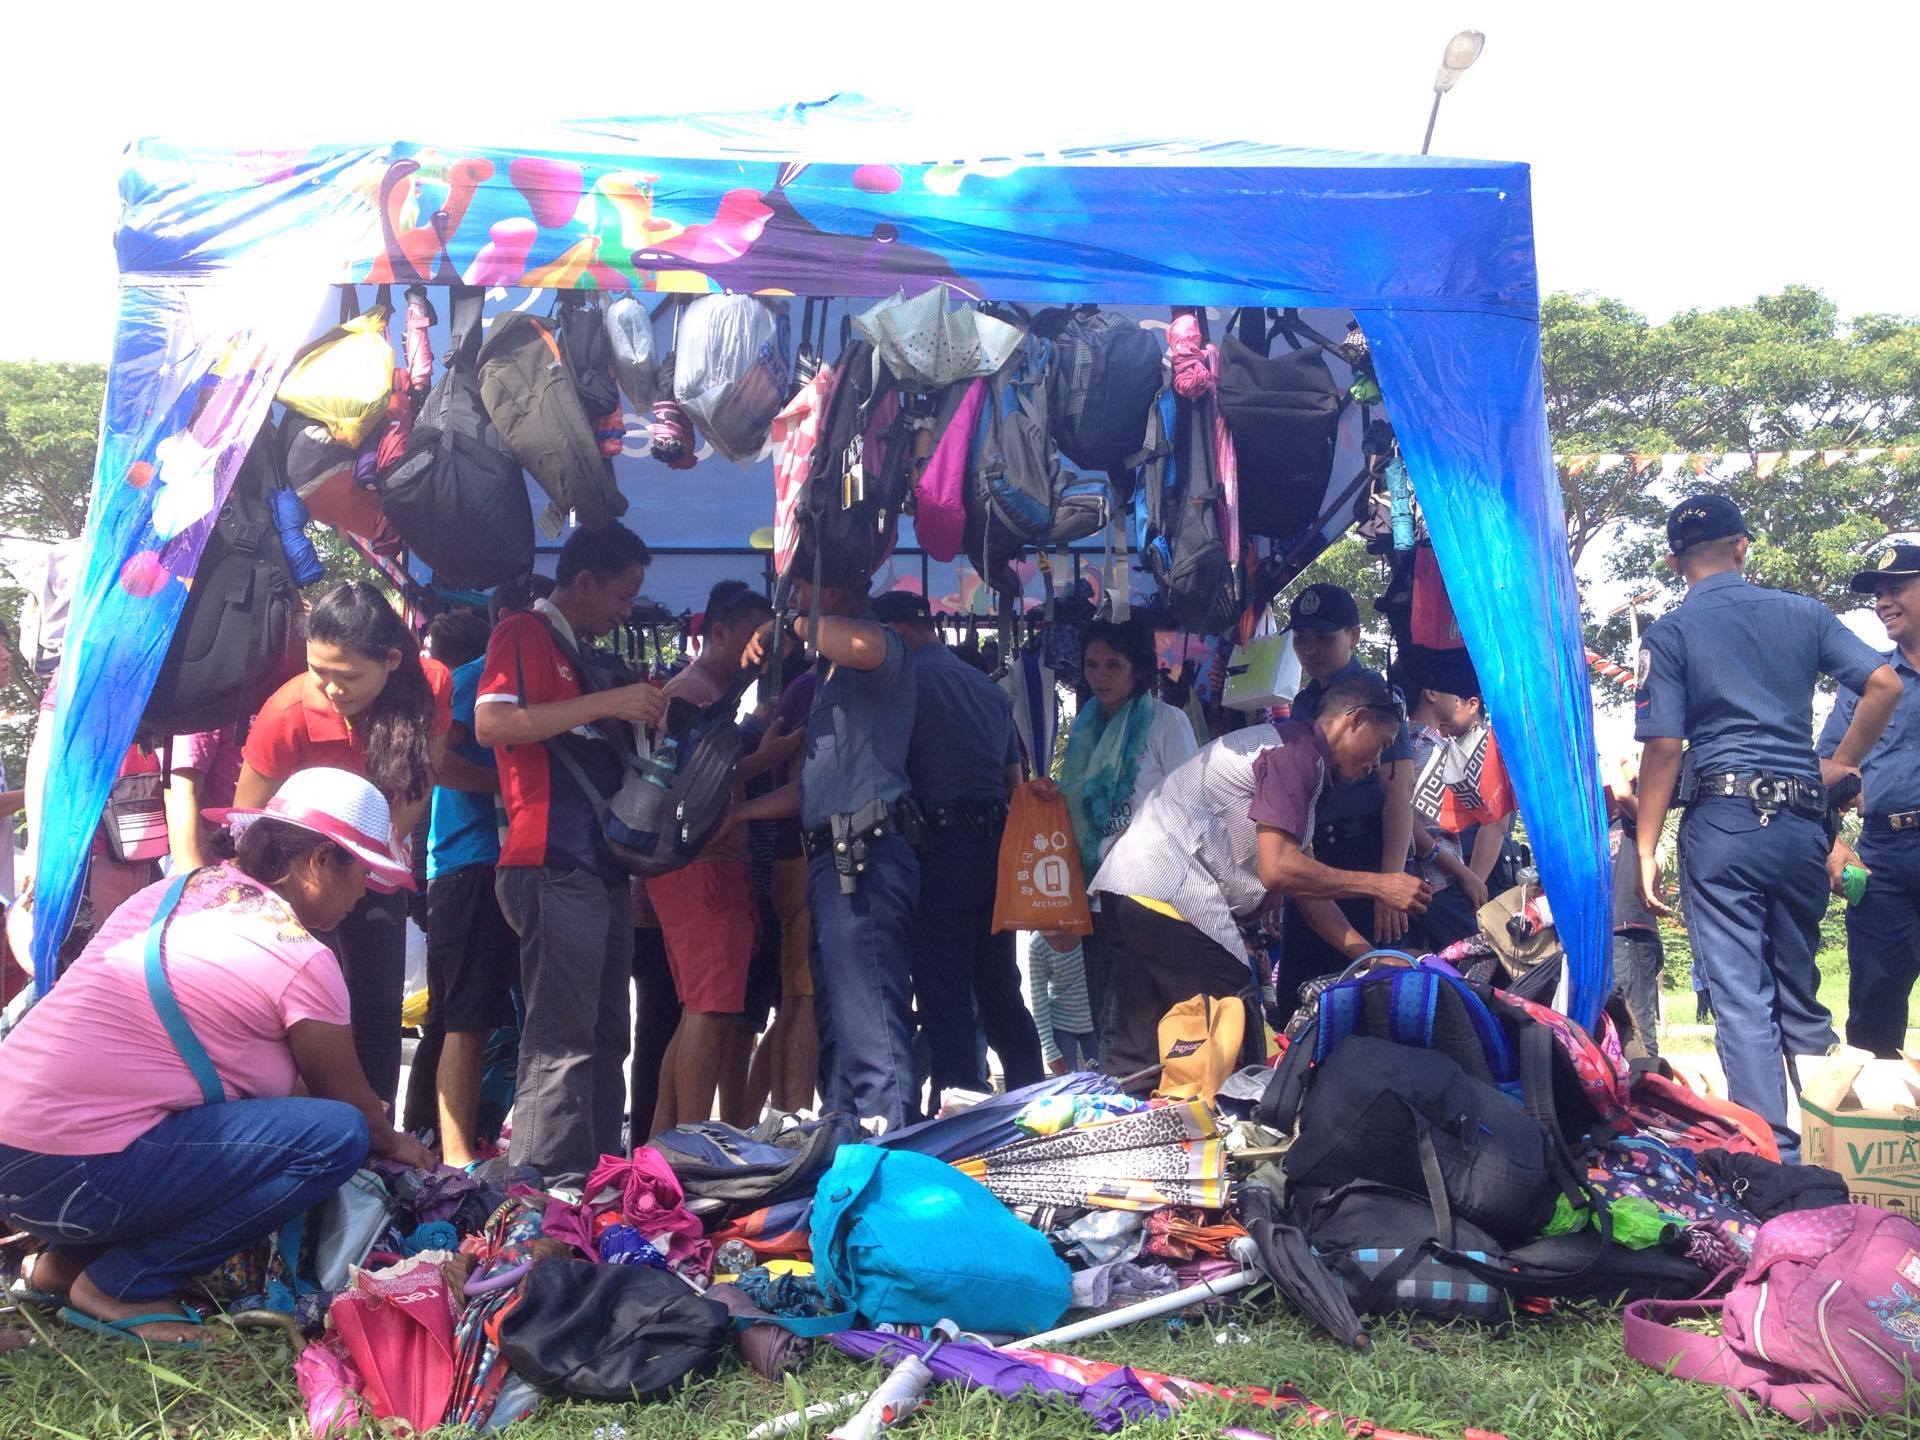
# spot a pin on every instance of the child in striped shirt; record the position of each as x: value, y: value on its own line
x: 1057, y: 979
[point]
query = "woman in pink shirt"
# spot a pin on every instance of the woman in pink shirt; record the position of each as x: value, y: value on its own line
x: 148, y: 1122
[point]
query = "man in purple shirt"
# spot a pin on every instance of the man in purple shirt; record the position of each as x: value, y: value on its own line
x: 1224, y: 836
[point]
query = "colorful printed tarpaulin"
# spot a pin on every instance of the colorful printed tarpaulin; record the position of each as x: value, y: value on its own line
x: 225, y: 256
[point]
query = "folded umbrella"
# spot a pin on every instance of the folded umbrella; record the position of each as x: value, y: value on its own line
x: 1170, y: 1155
x: 980, y: 1128
x: 1285, y: 1257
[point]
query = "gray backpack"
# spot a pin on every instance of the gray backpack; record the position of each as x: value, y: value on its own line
x: 531, y: 397
x: 1018, y: 496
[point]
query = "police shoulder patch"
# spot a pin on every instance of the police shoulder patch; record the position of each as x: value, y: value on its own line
x: 1643, y: 668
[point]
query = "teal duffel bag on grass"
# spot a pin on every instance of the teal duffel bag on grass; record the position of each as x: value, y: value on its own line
x: 905, y: 1238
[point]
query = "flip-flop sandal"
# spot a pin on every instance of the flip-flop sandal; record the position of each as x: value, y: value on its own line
x: 20, y: 1292
x: 123, y: 1329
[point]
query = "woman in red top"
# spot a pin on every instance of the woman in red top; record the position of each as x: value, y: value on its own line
x: 368, y: 703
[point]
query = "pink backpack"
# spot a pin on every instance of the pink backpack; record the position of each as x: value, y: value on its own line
x: 940, y: 494
x: 1824, y: 1325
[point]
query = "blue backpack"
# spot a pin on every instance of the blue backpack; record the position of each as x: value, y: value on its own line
x: 905, y: 1238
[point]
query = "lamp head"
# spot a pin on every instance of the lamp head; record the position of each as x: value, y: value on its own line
x: 1462, y: 50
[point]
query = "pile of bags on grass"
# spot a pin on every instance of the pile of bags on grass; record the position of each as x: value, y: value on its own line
x: 1423, y: 1148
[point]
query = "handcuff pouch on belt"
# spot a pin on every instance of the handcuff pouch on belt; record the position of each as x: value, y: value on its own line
x: 1769, y: 794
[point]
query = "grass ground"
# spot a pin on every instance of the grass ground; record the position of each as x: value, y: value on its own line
x: 1565, y: 1378
x: 1561, y: 1379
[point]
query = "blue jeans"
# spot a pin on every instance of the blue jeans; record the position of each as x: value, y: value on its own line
x: 198, y: 1186
x: 1079, y: 1051
x: 862, y: 982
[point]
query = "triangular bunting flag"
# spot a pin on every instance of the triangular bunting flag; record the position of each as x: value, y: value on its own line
x: 1868, y: 456
x: 1641, y: 462
x: 1766, y: 462
x: 1603, y: 463
x: 1798, y: 457
x: 1577, y: 465
x: 1902, y: 453
x: 1670, y: 465
x: 1831, y: 458
x: 1702, y: 462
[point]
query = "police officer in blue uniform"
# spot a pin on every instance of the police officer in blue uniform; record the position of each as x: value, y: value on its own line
x: 1363, y: 824
x: 1883, y: 930
x: 862, y: 835
x: 1731, y: 672
x: 964, y: 762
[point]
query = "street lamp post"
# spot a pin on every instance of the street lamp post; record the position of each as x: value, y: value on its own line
x: 1462, y: 50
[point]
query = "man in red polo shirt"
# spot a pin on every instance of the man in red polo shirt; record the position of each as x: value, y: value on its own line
x: 560, y: 888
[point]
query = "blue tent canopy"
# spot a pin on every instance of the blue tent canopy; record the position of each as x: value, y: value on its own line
x: 226, y: 256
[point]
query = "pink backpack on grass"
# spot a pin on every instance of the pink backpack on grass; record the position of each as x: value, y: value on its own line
x: 1823, y: 1326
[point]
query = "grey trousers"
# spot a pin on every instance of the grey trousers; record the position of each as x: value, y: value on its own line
x: 576, y: 962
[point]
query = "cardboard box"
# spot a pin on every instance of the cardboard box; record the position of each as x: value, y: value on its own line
x: 1861, y: 1117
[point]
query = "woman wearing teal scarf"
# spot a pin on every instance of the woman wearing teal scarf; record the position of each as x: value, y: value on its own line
x: 1123, y: 744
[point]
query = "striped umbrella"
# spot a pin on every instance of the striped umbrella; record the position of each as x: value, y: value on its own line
x: 1168, y: 1155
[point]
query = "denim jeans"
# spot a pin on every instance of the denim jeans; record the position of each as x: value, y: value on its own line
x: 1081, y: 1052
x: 198, y: 1186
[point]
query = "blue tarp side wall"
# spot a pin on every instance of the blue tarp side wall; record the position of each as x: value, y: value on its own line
x: 1471, y: 418
x: 223, y: 253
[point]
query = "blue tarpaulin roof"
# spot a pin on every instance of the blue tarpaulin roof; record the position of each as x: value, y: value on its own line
x: 225, y: 257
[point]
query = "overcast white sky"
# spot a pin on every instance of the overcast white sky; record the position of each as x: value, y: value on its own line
x: 1683, y: 153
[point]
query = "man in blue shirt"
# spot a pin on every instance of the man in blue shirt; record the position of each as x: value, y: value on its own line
x: 1363, y: 824
x: 1730, y: 672
x: 473, y: 956
x: 859, y: 827
x: 1883, y: 930
x: 964, y: 761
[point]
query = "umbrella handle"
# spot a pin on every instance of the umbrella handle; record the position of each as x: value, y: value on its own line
x: 499, y: 1280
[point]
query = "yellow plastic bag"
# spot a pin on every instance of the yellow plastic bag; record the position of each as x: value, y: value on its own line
x: 1200, y: 1043
x: 343, y: 379
x: 1040, y: 886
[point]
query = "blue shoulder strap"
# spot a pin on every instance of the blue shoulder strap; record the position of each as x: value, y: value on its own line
x: 160, y: 991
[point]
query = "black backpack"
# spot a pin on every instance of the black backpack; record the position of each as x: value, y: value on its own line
x: 1412, y: 1119
x: 582, y: 329
x: 1394, y: 1253
x: 238, y: 638
x: 610, y: 1332
x: 1284, y: 413
x: 458, y: 497
x: 727, y: 1172
x: 668, y: 806
x: 1182, y: 547
x: 849, y: 513
x: 1106, y: 373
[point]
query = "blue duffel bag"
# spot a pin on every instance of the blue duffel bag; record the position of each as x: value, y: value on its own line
x: 906, y: 1238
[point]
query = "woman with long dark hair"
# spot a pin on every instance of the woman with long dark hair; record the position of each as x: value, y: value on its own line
x: 1124, y: 743
x: 368, y: 703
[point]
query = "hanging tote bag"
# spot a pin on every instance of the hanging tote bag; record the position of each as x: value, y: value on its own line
x: 940, y: 492
x: 1040, y: 886
x: 343, y: 379
x: 1263, y: 671
x: 731, y: 369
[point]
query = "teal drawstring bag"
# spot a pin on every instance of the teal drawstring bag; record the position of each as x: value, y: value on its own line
x: 901, y: 1237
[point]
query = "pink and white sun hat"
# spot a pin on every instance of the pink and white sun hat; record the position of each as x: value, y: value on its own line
x: 344, y: 807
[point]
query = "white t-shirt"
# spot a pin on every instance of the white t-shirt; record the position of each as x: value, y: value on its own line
x: 1170, y: 744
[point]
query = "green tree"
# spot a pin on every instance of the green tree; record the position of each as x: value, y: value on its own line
x: 1779, y: 375
x: 49, y: 428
